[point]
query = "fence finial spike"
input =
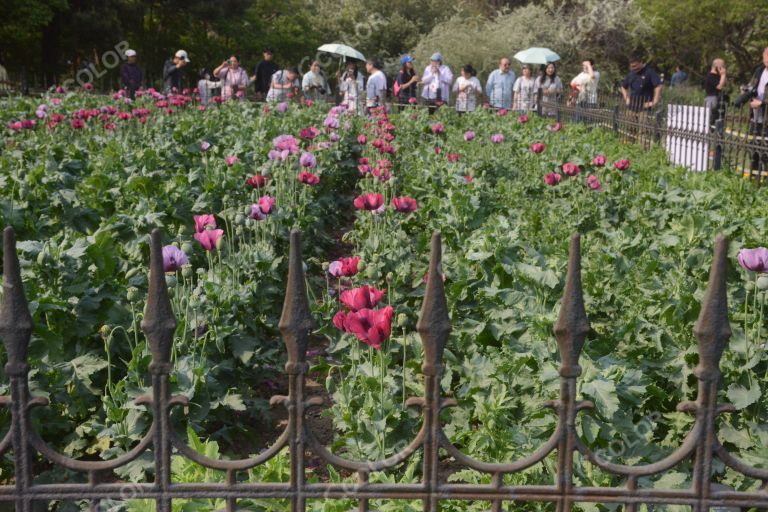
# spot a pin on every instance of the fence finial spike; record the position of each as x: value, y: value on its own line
x: 158, y: 324
x: 296, y: 319
x: 572, y: 324
x: 15, y: 320
x: 434, y: 324
x: 712, y: 329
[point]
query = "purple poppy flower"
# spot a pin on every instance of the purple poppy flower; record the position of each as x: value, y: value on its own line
x: 205, y: 145
x: 173, y: 258
x: 755, y: 260
x: 282, y: 107
x: 308, y: 160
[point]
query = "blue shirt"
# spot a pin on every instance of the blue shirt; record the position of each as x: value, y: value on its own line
x: 678, y: 77
x: 642, y: 84
x: 499, y: 87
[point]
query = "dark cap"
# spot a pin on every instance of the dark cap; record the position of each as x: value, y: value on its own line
x: 268, y: 49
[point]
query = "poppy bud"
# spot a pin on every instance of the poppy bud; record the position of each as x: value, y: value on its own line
x: 239, y: 218
x: 104, y: 331
x: 325, y: 266
x: 170, y: 280
x: 186, y: 271
x: 762, y: 283
x: 402, y: 320
x: 133, y: 294
x: 750, y: 286
x: 187, y: 247
x: 391, y: 276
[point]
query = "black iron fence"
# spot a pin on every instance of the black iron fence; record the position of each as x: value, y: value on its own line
x: 701, y: 445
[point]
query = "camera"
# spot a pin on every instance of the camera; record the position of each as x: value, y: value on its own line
x: 748, y: 94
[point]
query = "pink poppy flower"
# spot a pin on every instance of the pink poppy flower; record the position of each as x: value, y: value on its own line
x: 571, y: 169
x: 537, y: 147
x: 209, y: 238
x: 204, y: 222
x: 622, y: 165
x: 552, y: 179
x: 404, y: 204
x: 369, y: 201
x: 231, y: 160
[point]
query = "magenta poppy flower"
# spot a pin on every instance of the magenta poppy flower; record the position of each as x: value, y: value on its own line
x: 88, y: 86
x: 231, y: 160
x: 258, y: 181
x: 286, y: 143
x: 555, y: 127
x: 571, y: 169
x: 77, y: 124
x: 209, y: 238
x: 622, y: 165
x: 173, y: 258
x: 339, y: 319
x: 755, y: 260
x: 453, y: 157
x: 308, y: 160
x: 308, y: 178
x: 267, y: 204
x: 372, y: 327
x: 362, y: 140
x: 404, y: 204
x: 497, y: 138
x: 469, y: 135
x: 599, y: 161
x: 361, y: 298
x: 502, y: 112
x: 412, y: 101
x: 537, y: 147
x: 523, y: 118
x: 204, y: 222
x: 593, y: 182
x: 309, y: 133
x: 468, y: 178
x: 369, y: 201
x: 349, y: 266
x: 552, y: 179
x: 438, y: 128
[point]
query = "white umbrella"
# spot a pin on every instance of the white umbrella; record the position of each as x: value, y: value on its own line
x: 537, y: 56
x: 342, y: 50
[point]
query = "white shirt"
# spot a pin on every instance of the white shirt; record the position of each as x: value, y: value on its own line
x: 466, y: 101
x: 525, y: 93
x: 587, y: 86
x: 761, y: 95
x: 437, y: 81
x: 376, y: 89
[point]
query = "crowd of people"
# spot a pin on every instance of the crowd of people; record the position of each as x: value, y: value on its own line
x: 534, y: 89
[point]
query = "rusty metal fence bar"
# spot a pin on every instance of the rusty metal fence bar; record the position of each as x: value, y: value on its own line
x: 701, y: 445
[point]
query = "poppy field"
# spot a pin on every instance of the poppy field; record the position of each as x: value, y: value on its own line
x: 85, y: 178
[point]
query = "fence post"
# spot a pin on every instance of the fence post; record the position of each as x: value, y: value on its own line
x: 571, y: 330
x: 719, y: 136
x: 295, y: 326
x: 539, y: 97
x: 159, y: 326
x: 433, y: 326
x: 712, y: 331
x: 616, y: 112
x: 16, y: 330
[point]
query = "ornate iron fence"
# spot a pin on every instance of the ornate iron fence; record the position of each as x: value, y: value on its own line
x: 701, y: 444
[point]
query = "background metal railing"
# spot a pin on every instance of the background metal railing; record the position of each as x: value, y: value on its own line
x: 701, y: 445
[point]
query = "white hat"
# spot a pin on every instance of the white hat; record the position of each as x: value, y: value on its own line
x: 130, y: 53
x: 183, y: 55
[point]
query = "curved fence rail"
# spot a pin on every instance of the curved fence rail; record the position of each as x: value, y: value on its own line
x: 701, y: 445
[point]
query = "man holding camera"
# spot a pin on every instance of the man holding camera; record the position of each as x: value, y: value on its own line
x: 173, y: 72
x: 314, y: 84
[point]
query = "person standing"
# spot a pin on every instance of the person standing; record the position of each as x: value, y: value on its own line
x: 205, y: 85
x: 131, y: 76
x: 679, y: 77
x: 173, y: 71
x: 551, y: 88
x: 234, y: 79
x: 351, y: 87
x: 641, y: 89
x: 500, y: 84
x: 525, y: 90
x: 314, y: 84
x: 714, y: 85
x: 759, y: 111
x: 407, y: 80
x: 467, y: 87
x: 437, y: 80
x: 586, y: 84
x: 376, y: 89
x: 285, y: 85
x: 265, y: 70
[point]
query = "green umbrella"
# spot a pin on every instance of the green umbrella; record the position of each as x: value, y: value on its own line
x: 342, y: 50
x: 537, y: 56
